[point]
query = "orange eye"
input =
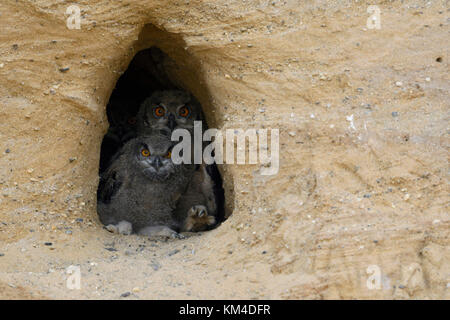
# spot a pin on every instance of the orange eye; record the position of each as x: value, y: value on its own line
x: 169, y: 155
x: 159, y: 111
x: 132, y: 120
x: 145, y: 152
x: 183, y: 112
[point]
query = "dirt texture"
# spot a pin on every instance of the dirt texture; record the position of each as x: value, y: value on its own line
x: 363, y: 113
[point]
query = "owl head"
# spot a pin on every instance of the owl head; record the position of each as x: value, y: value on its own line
x: 165, y: 111
x: 153, y: 155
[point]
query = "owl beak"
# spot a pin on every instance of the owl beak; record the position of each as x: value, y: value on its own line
x: 172, y: 124
x: 157, y: 163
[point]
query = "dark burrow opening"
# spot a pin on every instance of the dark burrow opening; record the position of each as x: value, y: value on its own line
x: 145, y: 91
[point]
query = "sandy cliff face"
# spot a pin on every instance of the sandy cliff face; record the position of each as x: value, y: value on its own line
x: 359, y: 208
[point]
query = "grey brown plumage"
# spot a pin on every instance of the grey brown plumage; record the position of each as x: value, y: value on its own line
x: 143, y: 189
x: 166, y: 111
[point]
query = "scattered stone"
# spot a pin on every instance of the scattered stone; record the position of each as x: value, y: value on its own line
x: 125, y: 294
x: 439, y: 59
x: 111, y: 249
x: 2, y: 254
x: 171, y: 253
x: 292, y: 133
x: 7, y: 151
x: 399, y: 83
x: 72, y: 159
x: 155, y: 266
x: 48, y: 243
x: 15, y: 46
x: 427, y: 79
x: 367, y: 195
x: 394, y: 114
x: 64, y: 69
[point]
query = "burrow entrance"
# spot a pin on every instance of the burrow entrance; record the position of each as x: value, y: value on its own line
x: 146, y: 75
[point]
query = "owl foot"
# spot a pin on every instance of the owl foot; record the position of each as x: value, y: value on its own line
x: 198, y: 219
x: 123, y: 227
x: 158, y: 231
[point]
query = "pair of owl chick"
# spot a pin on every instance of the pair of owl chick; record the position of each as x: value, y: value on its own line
x: 142, y: 191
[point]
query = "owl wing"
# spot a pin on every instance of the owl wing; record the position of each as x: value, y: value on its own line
x: 109, y: 185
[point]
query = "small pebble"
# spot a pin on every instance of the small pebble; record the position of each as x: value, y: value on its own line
x: 64, y: 69
x: 399, y: 83
x: 2, y: 254
x: 155, y: 266
x: 48, y: 243
x: 395, y: 114
x: 125, y: 294
x: 7, y: 151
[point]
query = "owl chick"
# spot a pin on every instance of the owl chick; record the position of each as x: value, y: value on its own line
x: 140, y: 189
x: 197, y: 208
x: 165, y: 111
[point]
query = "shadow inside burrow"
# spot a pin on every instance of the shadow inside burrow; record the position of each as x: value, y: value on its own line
x: 146, y: 74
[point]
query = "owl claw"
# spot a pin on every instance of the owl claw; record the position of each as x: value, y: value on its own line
x: 123, y: 227
x: 198, y: 219
x: 158, y: 232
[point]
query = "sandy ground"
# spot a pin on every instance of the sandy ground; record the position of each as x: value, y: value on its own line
x: 359, y: 208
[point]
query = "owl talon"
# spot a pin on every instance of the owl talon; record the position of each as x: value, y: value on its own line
x: 198, y: 219
x: 158, y: 232
x: 123, y: 227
